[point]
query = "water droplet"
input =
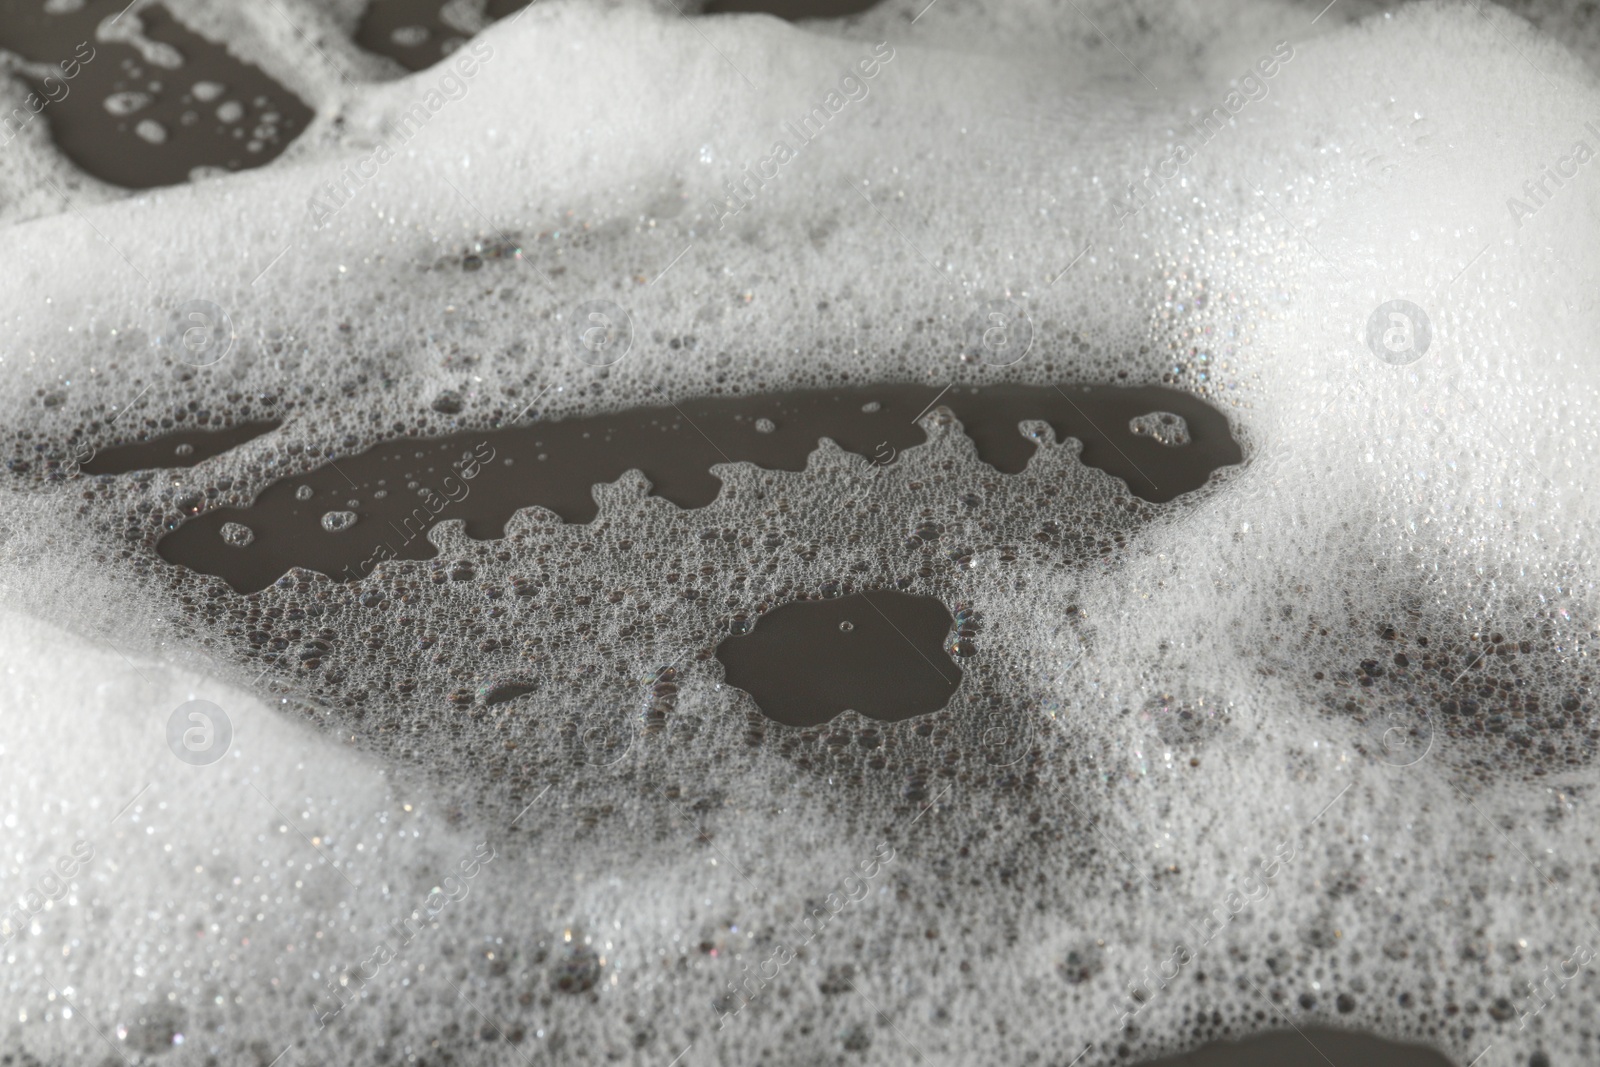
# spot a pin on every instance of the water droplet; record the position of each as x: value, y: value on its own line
x: 334, y: 521
x: 237, y: 534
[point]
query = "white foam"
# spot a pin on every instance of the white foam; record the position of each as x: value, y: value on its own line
x: 1443, y: 496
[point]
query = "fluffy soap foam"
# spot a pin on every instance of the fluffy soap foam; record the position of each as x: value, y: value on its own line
x: 1209, y: 824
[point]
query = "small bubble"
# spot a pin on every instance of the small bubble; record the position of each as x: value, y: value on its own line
x: 335, y: 521
x: 765, y: 426
x: 1168, y: 429
x: 871, y: 407
x: 846, y: 626
x: 152, y: 131
x: 303, y: 493
x: 127, y: 103
x: 232, y: 111
x: 237, y: 534
x: 1185, y: 720
x: 185, y: 449
x: 205, y: 91
x: 576, y: 970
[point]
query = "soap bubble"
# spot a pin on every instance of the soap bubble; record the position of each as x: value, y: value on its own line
x: 1163, y: 426
x: 1185, y: 719
x: 127, y: 103
x: 237, y: 534
x: 576, y: 967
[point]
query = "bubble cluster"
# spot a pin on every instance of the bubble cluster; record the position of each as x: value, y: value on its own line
x: 1310, y: 743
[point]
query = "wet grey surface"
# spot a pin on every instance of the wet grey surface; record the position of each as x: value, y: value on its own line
x: 147, y: 118
x: 394, y: 492
x: 877, y: 652
x: 1311, y: 1047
